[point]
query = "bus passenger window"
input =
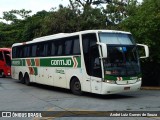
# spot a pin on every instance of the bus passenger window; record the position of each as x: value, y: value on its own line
x: 76, y: 47
x: 21, y: 50
x: 59, y: 50
x: 34, y: 50
x: 68, y: 47
x: 14, y: 52
x: 1, y: 56
x: 48, y: 49
x: 40, y: 50
x: 54, y: 49
x: 26, y: 51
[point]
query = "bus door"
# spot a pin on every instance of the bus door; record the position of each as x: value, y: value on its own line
x: 8, y: 63
x: 95, y: 70
x: 92, y: 63
x: 1, y: 63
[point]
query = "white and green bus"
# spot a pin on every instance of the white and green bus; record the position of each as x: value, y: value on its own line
x: 95, y: 61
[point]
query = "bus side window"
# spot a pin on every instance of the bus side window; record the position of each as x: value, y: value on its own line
x: 60, y: 48
x: 1, y: 56
x: 14, y: 52
x: 68, y: 47
x: 40, y: 50
x: 54, y: 49
x: 76, y: 47
x: 17, y: 52
x: 25, y: 51
x: 48, y: 47
x: 34, y: 47
x: 21, y: 52
x: 29, y: 51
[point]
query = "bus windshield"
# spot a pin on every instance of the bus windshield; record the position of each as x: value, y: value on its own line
x: 116, y: 38
x: 122, y: 59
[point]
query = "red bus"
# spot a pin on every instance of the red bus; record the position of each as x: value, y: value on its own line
x: 5, y: 62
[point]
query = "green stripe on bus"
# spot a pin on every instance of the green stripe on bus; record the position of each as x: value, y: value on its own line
x: 23, y: 63
x: 32, y: 62
x: 35, y: 70
x: 51, y: 62
x: 17, y: 62
x: 110, y: 77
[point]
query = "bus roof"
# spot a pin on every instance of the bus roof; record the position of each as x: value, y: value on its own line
x: 5, y: 49
x: 63, y: 35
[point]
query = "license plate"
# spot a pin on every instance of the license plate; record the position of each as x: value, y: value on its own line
x: 126, y: 88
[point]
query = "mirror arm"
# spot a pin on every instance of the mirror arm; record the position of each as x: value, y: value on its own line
x: 104, y: 49
x: 146, y: 50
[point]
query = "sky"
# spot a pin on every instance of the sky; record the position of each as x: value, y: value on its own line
x: 33, y: 5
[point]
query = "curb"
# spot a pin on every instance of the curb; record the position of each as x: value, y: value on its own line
x: 150, y: 88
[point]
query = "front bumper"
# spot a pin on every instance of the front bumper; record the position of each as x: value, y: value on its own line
x: 115, y: 88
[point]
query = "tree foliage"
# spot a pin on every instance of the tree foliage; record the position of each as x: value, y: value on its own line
x: 144, y: 23
x: 13, y: 15
x: 86, y: 3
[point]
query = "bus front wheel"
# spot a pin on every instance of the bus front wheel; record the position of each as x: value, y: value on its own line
x: 2, y: 74
x: 76, y: 86
x: 27, y: 80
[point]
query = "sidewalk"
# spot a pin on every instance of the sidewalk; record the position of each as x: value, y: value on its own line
x: 150, y: 88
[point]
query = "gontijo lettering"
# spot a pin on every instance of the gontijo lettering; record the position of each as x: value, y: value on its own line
x: 61, y: 62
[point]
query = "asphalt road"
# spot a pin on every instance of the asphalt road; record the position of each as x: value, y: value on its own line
x: 15, y: 96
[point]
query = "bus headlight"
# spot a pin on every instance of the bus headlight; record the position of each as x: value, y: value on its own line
x: 139, y: 79
x: 110, y: 81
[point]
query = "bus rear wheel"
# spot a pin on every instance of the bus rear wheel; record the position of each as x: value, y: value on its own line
x: 27, y: 79
x: 75, y: 86
x: 21, y: 79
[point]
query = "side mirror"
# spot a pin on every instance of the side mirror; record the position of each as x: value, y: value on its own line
x: 104, y: 49
x: 146, y: 50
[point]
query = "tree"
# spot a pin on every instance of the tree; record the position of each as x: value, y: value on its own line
x: 85, y: 3
x: 118, y: 10
x: 8, y: 35
x: 9, y: 16
x: 22, y: 13
x: 12, y: 15
x: 62, y: 20
x: 144, y: 24
x: 32, y: 26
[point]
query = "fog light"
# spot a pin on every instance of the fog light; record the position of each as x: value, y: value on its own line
x: 110, y: 81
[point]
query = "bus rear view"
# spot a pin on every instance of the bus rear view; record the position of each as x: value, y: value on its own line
x: 5, y: 62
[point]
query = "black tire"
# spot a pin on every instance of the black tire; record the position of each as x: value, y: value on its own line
x: 21, y: 79
x: 75, y: 86
x: 2, y: 74
x: 27, y: 80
